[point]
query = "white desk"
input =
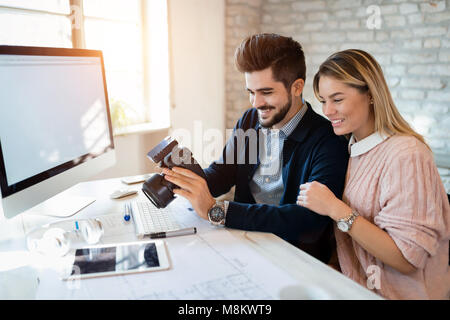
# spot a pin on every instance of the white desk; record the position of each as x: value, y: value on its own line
x: 216, y: 263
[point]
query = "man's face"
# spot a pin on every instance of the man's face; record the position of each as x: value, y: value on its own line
x: 270, y: 97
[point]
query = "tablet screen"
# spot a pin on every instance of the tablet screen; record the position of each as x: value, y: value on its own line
x: 115, y: 259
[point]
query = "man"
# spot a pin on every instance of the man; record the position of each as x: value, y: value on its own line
x: 294, y: 145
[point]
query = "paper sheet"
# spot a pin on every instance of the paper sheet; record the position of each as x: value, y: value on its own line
x: 210, y: 265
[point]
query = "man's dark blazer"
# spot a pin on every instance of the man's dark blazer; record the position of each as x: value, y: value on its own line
x: 312, y: 152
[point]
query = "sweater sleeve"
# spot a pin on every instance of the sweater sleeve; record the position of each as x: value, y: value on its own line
x: 414, y: 206
x: 221, y: 174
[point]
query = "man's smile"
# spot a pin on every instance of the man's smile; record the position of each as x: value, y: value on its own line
x: 265, y: 112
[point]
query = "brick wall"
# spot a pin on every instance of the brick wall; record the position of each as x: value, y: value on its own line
x: 410, y: 39
x: 243, y: 18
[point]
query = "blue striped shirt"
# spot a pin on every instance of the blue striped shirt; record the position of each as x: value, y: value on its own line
x: 267, y: 182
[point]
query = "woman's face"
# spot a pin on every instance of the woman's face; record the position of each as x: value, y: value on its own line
x: 346, y: 107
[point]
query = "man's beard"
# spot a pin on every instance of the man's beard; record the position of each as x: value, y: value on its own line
x: 278, y: 116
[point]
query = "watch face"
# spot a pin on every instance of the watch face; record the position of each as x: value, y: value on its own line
x: 216, y: 214
x: 342, y: 226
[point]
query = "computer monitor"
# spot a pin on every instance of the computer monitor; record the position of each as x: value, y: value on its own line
x: 55, y: 126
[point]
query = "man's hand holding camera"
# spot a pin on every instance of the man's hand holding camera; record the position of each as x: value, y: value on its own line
x: 192, y: 187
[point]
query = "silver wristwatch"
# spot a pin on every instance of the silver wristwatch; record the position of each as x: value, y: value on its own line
x: 216, y: 214
x: 345, y: 224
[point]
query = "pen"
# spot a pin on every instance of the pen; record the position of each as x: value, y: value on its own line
x: 126, y: 217
x: 173, y: 233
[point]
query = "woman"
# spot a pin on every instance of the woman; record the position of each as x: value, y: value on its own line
x: 393, y: 224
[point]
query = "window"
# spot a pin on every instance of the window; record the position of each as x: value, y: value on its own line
x: 35, y: 23
x: 132, y: 34
x: 115, y: 27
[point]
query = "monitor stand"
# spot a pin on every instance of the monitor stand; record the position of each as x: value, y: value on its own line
x: 62, y: 205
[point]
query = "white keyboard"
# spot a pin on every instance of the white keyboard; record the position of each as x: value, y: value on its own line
x: 149, y: 219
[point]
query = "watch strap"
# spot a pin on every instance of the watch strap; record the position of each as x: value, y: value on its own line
x: 349, y: 220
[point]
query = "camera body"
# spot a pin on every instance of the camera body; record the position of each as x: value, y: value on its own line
x: 168, y: 155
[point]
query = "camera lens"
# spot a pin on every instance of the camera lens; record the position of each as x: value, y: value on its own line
x: 158, y: 190
x: 168, y: 155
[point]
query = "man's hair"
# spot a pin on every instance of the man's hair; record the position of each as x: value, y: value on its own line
x: 283, y: 54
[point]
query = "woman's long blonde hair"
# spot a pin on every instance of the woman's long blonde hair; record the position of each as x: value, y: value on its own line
x: 360, y: 70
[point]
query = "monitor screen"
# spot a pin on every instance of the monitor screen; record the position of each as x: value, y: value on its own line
x: 54, y: 113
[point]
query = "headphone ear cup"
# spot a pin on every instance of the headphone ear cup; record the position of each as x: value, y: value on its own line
x: 53, y: 242
x: 91, y: 230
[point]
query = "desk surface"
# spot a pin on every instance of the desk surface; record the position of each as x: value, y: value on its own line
x: 216, y: 263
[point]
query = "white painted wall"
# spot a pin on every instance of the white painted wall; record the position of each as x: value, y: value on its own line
x: 197, y: 40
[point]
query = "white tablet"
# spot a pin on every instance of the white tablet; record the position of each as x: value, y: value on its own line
x: 123, y: 258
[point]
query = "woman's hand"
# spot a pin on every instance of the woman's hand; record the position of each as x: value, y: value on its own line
x: 318, y: 198
x: 377, y: 242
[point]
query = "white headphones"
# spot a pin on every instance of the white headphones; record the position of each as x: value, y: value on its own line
x: 57, y: 241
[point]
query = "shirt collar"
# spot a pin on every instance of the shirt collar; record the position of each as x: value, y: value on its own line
x: 292, y: 124
x: 300, y: 131
x: 357, y: 148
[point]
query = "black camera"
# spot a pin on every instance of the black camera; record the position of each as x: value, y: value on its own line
x: 168, y: 155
